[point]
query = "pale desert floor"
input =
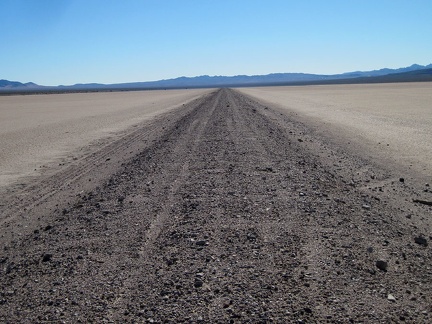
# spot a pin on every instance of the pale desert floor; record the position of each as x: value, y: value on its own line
x: 390, y: 123
x: 41, y: 130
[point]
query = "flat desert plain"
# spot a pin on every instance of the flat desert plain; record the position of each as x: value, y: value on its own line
x: 36, y: 130
x: 391, y: 123
x: 284, y: 205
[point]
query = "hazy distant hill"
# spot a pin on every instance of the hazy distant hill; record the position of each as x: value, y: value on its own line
x: 386, y: 71
x: 247, y: 80
x: 414, y: 72
x: 15, y: 84
x: 410, y: 76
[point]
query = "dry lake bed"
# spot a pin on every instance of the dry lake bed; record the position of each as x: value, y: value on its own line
x: 286, y: 204
x: 36, y: 130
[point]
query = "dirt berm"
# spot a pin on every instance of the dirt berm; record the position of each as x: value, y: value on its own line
x: 224, y: 210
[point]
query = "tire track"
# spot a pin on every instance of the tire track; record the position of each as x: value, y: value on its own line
x: 189, y: 144
x: 184, y: 148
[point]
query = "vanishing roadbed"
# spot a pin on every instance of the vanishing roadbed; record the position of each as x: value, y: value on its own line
x: 229, y: 212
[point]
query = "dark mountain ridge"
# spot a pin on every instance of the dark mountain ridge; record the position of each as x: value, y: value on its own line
x: 15, y: 84
x: 414, y: 72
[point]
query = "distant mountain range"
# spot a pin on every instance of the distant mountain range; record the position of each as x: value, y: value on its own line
x: 15, y: 84
x: 414, y: 72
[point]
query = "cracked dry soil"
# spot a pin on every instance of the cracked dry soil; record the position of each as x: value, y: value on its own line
x: 232, y: 213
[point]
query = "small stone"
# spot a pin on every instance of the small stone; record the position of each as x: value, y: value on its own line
x: 201, y: 243
x: 421, y: 241
x: 401, y: 180
x: 370, y: 249
x: 46, y: 257
x: 391, y: 298
x: 382, y: 265
x: 366, y: 206
x: 47, y: 228
x: 198, y: 283
x: 171, y: 261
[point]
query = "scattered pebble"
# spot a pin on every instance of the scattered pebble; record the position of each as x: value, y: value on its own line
x: 47, y: 228
x: 382, y: 265
x: 366, y: 206
x: 46, y: 257
x: 421, y: 241
x: 198, y: 283
x: 391, y: 298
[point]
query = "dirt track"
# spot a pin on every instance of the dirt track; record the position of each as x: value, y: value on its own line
x: 224, y: 210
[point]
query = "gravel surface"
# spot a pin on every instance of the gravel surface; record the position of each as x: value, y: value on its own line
x: 225, y: 210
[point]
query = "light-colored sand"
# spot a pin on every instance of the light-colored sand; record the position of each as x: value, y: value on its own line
x: 391, y: 123
x: 39, y: 129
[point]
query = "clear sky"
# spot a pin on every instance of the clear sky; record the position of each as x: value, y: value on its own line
x: 53, y: 42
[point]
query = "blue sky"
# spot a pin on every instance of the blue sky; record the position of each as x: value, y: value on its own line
x: 53, y: 42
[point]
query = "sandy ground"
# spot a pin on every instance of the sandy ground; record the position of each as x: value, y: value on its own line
x: 36, y: 130
x: 390, y: 123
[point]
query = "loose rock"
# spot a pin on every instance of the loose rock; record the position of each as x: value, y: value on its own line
x: 421, y: 241
x: 201, y: 243
x: 366, y: 206
x: 46, y: 257
x: 382, y: 265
